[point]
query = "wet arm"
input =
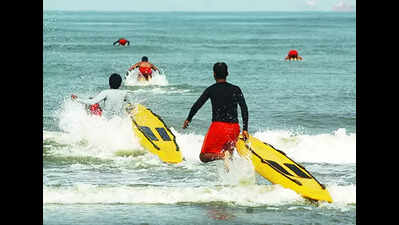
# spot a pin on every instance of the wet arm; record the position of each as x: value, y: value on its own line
x: 154, y: 67
x: 134, y: 66
x: 198, y: 104
x: 94, y: 100
x: 244, y: 111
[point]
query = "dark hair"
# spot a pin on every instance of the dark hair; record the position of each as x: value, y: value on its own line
x: 144, y: 59
x: 115, y: 81
x: 220, y: 70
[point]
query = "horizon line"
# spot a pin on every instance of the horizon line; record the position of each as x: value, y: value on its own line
x: 194, y: 11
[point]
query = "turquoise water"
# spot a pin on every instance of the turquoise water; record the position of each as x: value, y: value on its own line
x: 94, y: 171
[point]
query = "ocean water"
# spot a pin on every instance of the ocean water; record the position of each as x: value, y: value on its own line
x: 96, y: 172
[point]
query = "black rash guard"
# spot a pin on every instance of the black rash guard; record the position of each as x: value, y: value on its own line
x: 224, y: 98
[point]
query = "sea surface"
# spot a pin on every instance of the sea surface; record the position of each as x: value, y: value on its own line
x: 96, y: 172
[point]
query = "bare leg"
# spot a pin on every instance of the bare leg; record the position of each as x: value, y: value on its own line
x: 228, y: 154
x: 227, y: 157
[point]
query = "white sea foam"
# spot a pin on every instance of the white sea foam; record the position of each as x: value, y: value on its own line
x: 338, y: 147
x: 243, y: 195
x: 103, y: 138
x: 247, y: 195
x: 157, y: 79
x: 239, y: 171
x: 190, y: 145
x: 159, y: 90
x: 342, y: 196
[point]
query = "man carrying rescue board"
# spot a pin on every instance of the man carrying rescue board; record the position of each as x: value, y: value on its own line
x: 224, y: 130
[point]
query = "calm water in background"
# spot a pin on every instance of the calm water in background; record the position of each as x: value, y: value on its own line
x: 96, y: 172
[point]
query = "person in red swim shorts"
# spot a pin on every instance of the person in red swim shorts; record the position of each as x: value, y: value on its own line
x: 122, y: 41
x: 220, y: 140
x: 293, y: 55
x: 145, y: 68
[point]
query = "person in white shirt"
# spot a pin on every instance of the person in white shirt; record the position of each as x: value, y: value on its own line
x: 115, y: 100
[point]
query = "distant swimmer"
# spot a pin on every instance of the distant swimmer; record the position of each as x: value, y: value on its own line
x: 293, y: 55
x: 122, y: 41
x: 224, y: 130
x: 114, y: 100
x: 145, y: 68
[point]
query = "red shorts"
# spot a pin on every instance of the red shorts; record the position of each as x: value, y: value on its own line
x: 293, y: 53
x: 220, y: 136
x: 95, y: 109
x: 145, y: 71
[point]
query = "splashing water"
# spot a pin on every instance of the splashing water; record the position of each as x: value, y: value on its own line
x: 104, y: 137
x: 157, y: 79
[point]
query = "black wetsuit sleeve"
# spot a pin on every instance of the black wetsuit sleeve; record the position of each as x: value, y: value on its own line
x: 244, y: 110
x: 198, y: 104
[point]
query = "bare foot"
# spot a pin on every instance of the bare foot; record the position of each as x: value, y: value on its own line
x: 226, y: 161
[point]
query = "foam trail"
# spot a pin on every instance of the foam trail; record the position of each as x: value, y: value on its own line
x: 157, y: 79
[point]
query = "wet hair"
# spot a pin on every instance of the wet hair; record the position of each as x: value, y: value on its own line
x: 115, y: 81
x: 220, y: 70
x: 144, y: 59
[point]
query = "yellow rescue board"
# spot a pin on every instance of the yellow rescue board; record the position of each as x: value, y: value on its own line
x: 154, y: 135
x: 275, y: 166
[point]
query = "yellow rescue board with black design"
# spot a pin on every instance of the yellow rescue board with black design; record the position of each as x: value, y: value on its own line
x: 278, y: 168
x: 154, y: 135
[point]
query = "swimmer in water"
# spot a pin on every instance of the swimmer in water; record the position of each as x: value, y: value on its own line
x: 145, y: 68
x: 293, y: 55
x: 122, y: 41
